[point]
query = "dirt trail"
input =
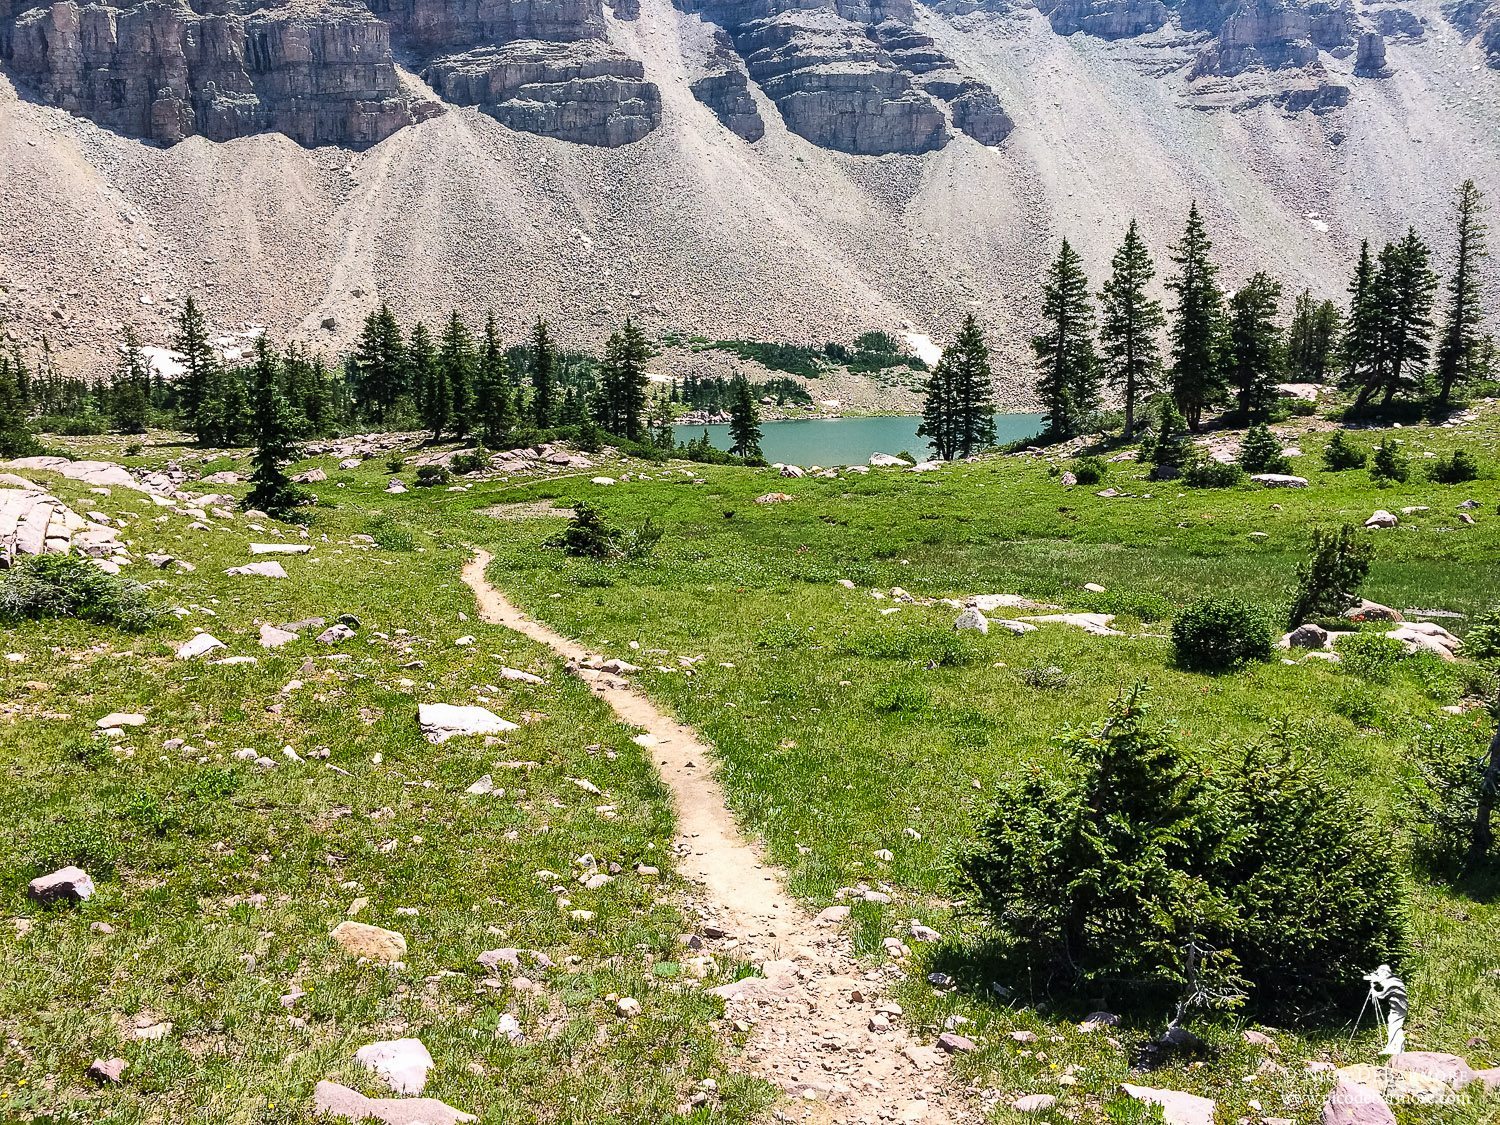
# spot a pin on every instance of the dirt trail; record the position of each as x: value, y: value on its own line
x: 811, y: 1012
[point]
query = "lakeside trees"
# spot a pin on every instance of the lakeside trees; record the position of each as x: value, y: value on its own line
x: 1069, y: 379
x: 958, y: 417
x: 1130, y: 321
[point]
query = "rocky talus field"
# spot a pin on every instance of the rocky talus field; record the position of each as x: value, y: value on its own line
x: 853, y: 164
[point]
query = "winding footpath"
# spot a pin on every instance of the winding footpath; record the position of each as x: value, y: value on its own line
x: 817, y: 1024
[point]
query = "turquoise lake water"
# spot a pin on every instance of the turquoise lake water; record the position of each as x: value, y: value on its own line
x: 850, y: 441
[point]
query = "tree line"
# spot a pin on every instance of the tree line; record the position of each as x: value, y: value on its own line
x: 1230, y: 350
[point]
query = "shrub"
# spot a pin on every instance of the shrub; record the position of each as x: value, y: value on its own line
x: 1260, y: 452
x: 1340, y: 453
x: 430, y: 476
x: 51, y: 586
x: 1389, y: 464
x: 1050, y: 678
x: 1454, y: 765
x: 640, y: 542
x: 587, y: 535
x: 1167, y: 445
x: 1456, y: 468
x: 1328, y: 581
x: 1219, y: 634
x: 1482, y: 641
x: 391, y: 536
x: 1090, y: 470
x: 1135, y: 856
x: 395, y: 463
x: 476, y: 461
x: 134, y: 449
x: 1202, y: 471
x: 1370, y: 656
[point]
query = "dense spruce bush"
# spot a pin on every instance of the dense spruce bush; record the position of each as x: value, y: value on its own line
x: 1101, y: 876
x: 1219, y: 634
x: 1260, y: 452
x: 1332, y: 575
x: 1455, y: 771
x: 1090, y: 470
x: 475, y: 461
x: 1202, y: 471
x: 430, y: 476
x: 1389, y: 464
x: 51, y: 586
x: 1456, y: 468
x: 588, y: 535
x: 1167, y: 445
x: 1482, y: 641
x: 1371, y: 656
x: 1341, y: 454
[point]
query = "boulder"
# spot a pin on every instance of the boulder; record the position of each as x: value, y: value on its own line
x: 272, y: 637
x: 1382, y: 519
x: 888, y: 461
x: 107, y: 1070
x: 257, y: 570
x: 1034, y: 1103
x: 120, y: 719
x: 1397, y: 1085
x: 1177, y: 1108
x: 280, y: 548
x: 971, y: 618
x: 442, y: 721
x: 956, y: 1044
x: 1279, y: 480
x: 372, y: 942
x: 200, y: 645
x: 332, y: 1100
x: 1096, y: 623
x: 334, y: 634
x: 1309, y: 635
x: 1450, y: 1070
x: 1373, y: 611
x: 1350, y: 1103
x: 403, y: 1063
x: 70, y: 884
x: 311, y: 476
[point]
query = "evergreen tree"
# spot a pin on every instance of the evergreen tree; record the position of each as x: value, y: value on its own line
x: 427, y: 374
x: 271, y: 490
x: 1361, y: 339
x: 543, y: 376
x: 379, y: 365
x: 1459, y: 350
x: 16, y: 436
x: 1254, y: 364
x: 1400, y: 296
x: 1312, y: 339
x: 494, y: 414
x: 1129, y: 323
x: 621, y: 406
x: 130, y: 389
x: 744, y: 421
x: 223, y: 416
x: 1196, y: 328
x: 1069, y: 379
x: 940, y: 411
x: 198, y: 362
x: 662, y: 434
x: 456, y: 363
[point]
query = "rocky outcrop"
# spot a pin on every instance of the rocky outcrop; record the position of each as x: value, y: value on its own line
x: 1480, y: 20
x: 1370, y: 61
x: 164, y: 72
x: 725, y: 89
x: 586, y: 92
x: 433, y: 27
x: 1107, y: 19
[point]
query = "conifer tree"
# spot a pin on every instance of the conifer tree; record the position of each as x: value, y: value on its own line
x: 1312, y: 339
x: 940, y: 411
x: 744, y: 421
x: 1069, y: 371
x: 1459, y: 350
x: 1254, y: 364
x: 379, y: 365
x: 271, y: 490
x: 543, y: 376
x: 456, y: 362
x: 1129, y: 323
x: 621, y: 407
x: 198, y: 362
x: 494, y: 416
x: 661, y: 432
x: 1196, y: 327
x: 1400, y: 297
x: 16, y: 436
x: 427, y: 374
x: 130, y: 389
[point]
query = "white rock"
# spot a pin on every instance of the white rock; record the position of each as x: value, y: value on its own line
x: 280, y: 548
x: 887, y: 461
x: 259, y: 569
x: 442, y: 721
x: 118, y: 719
x: 1382, y: 519
x: 520, y: 677
x: 198, y: 646
x: 403, y: 1063
x: 971, y: 618
x: 272, y: 637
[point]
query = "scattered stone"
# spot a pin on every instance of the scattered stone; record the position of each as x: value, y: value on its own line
x: 1093, y: 587
x: 68, y: 883
x: 483, y: 787
x: 311, y: 476
x: 627, y: 1007
x: 272, y: 637
x: 1374, y: 611
x: 972, y: 619
x: 442, y: 721
x: 1450, y: 1070
x: 887, y: 461
x: 362, y: 940
x: 832, y: 915
x: 1177, y: 1108
x: 1261, y: 1039
x: 1382, y: 518
x: 520, y: 677
x: 1350, y: 1103
x: 1034, y: 1103
x: 280, y: 548
x: 956, y: 1044
x: 200, y: 645
x: 1310, y: 635
x: 403, y: 1063
x: 1278, y: 480
x: 120, y: 719
x: 334, y: 634
x: 258, y: 570
x: 773, y: 498
x: 332, y: 1100
x: 107, y: 1070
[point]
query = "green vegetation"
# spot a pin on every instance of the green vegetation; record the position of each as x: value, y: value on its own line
x: 1220, y: 634
x: 54, y: 586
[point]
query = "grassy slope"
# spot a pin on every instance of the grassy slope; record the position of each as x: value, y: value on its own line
x: 174, y: 837
x: 839, y: 726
